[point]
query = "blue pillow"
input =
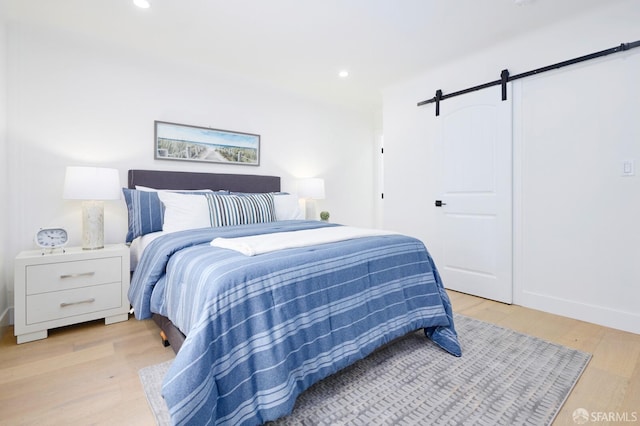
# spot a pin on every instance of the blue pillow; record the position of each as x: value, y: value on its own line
x: 146, y: 212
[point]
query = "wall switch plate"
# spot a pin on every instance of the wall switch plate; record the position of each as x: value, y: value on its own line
x: 628, y: 168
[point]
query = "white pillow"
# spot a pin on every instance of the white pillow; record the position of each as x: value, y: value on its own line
x: 287, y: 207
x: 146, y: 189
x: 184, y: 211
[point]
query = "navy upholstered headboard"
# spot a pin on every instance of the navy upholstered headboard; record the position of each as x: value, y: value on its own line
x: 162, y: 179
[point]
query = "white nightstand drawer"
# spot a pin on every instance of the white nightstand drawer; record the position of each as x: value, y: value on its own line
x: 68, y: 275
x: 67, y: 303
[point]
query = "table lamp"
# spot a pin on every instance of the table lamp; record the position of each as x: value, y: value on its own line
x: 311, y: 189
x: 92, y: 185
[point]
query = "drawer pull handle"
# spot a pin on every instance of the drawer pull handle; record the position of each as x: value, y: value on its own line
x: 81, y: 274
x: 65, y: 304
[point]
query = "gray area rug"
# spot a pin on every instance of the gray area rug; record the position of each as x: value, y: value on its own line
x: 503, y: 378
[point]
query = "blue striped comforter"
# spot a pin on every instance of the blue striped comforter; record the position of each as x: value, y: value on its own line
x: 262, y: 329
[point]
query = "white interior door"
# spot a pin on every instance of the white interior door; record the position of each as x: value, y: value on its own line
x: 474, y: 149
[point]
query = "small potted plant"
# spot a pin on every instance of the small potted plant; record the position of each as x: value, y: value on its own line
x: 324, y: 216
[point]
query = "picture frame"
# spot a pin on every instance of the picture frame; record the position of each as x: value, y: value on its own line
x: 182, y: 142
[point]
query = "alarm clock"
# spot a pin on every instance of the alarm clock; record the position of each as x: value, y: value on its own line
x: 51, y: 238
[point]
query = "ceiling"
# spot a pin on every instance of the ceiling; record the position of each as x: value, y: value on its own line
x: 301, y: 45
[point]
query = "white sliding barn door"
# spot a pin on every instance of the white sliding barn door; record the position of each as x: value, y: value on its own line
x: 474, y: 170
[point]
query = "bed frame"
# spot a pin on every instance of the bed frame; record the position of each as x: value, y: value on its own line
x: 162, y: 179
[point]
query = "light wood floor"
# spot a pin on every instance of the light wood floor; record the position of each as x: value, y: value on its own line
x: 88, y: 374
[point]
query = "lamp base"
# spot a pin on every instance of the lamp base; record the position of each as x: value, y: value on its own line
x: 310, y: 210
x: 92, y: 225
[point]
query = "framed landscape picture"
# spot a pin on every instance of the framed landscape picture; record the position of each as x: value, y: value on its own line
x: 192, y: 143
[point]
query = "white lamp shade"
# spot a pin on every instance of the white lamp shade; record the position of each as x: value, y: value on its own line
x: 91, y: 183
x: 311, y: 188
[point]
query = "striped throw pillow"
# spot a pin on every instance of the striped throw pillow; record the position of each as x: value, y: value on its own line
x: 228, y: 210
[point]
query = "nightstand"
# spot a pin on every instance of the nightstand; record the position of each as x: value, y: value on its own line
x: 57, y: 289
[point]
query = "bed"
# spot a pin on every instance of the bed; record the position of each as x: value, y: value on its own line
x: 271, y: 306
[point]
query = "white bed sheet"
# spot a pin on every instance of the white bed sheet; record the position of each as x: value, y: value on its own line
x: 138, y: 245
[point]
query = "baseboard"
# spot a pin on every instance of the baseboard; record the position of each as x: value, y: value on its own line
x: 620, y: 320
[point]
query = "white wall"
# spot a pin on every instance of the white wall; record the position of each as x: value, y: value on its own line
x: 4, y: 216
x: 576, y: 229
x: 74, y: 101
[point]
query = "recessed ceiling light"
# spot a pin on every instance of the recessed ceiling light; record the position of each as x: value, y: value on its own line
x: 144, y: 4
x: 343, y: 74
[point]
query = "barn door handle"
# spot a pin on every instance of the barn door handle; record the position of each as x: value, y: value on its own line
x: 439, y: 203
